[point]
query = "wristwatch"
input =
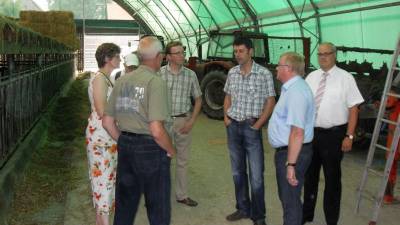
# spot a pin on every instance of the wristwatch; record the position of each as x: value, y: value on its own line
x: 351, y: 137
x: 290, y: 164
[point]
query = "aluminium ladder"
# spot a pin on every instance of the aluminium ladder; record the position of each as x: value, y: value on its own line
x: 377, y: 199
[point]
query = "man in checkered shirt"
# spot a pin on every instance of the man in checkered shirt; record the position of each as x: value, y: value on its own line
x: 183, y: 84
x: 249, y: 101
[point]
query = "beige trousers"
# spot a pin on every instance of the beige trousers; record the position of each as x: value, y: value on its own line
x: 182, y: 144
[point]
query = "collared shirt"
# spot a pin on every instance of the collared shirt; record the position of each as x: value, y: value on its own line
x: 182, y: 86
x: 138, y: 98
x: 295, y: 108
x: 341, y: 93
x: 249, y: 92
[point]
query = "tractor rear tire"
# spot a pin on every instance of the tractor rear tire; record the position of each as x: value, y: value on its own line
x: 212, y: 87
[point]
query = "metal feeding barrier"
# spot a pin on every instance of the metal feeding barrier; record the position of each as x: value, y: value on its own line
x: 33, y: 69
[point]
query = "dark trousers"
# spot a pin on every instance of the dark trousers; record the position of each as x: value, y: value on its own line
x: 289, y: 195
x: 245, y: 147
x: 143, y: 167
x: 327, y: 144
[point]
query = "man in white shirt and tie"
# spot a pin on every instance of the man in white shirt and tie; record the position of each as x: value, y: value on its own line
x: 336, y: 100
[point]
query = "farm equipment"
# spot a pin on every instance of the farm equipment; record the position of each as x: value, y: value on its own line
x: 213, y: 71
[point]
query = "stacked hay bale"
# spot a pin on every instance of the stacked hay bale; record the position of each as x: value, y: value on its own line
x: 58, y: 25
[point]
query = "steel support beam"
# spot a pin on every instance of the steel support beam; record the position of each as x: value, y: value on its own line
x: 230, y: 11
x: 197, y: 17
x: 250, y: 11
x: 208, y: 12
x: 318, y: 21
x: 322, y: 5
x: 298, y: 19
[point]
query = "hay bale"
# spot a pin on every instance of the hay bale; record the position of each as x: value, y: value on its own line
x: 34, y: 16
x: 61, y: 17
x: 43, y: 28
x: 58, y: 25
x: 63, y: 30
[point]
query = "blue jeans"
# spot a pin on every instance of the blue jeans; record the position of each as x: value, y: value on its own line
x: 289, y: 195
x: 143, y: 167
x: 245, y: 146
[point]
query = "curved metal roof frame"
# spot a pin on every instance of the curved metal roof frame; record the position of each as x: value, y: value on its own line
x: 198, y: 8
x: 197, y: 13
x: 183, y: 32
x: 184, y: 15
x: 230, y: 11
x: 136, y: 15
x: 194, y: 13
x: 155, y: 18
x: 166, y: 16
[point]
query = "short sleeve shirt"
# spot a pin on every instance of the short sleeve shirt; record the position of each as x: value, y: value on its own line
x: 181, y: 86
x: 341, y: 93
x: 294, y: 108
x: 249, y: 92
x: 138, y: 98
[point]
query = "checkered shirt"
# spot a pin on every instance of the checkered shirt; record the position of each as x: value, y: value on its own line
x: 182, y: 87
x: 248, y: 93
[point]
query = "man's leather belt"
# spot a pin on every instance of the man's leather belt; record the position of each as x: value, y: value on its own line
x: 334, y: 128
x: 283, y: 148
x: 137, y: 135
x: 180, y: 115
x: 252, y: 120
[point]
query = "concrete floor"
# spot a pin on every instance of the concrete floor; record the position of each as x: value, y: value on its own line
x: 212, y: 186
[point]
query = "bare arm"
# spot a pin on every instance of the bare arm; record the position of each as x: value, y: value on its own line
x: 109, y: 124
x: 99, y: 95
x: 267, y: 110
x: 161, y: 137
x: 196, y: 110
x: 227, y: 105
x: 351, y: 126
x: 296, y: 138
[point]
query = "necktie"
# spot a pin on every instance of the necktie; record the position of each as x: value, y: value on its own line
x: 320, y: 92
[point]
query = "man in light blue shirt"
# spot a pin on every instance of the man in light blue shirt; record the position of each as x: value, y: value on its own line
x: 290, y: 132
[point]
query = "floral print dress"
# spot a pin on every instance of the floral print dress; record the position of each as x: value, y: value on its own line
x: 102, y: 158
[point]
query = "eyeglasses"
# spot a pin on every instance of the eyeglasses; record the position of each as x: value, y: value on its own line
x: 324, y: 54
x: 178, y: 53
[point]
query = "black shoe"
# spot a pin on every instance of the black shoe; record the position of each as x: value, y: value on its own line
x: 188, y: 202
x: 237, y: 215
x: 260, y: 223
x: 306, y: 221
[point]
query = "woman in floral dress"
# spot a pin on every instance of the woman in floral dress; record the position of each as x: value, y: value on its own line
x: 101, y: 148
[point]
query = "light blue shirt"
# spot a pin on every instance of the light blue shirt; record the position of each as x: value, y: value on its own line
x: 294, y: 108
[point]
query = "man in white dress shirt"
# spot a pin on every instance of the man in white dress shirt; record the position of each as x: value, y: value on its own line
x: 336, y: 100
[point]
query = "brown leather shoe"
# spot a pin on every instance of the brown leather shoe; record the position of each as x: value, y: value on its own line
x: 237, y: 215
x: 188, y: 201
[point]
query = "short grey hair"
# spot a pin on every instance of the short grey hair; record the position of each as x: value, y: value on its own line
x: 149, y: 47
x: 330, y: 44
x: 295, y: 61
